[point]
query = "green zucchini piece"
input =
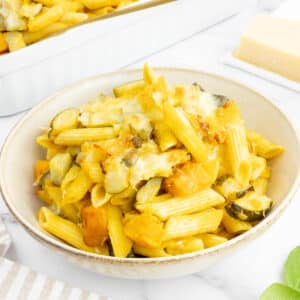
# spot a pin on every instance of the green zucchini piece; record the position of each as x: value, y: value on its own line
x: 251, y: 207
x: 130, y: 88
x: 59, y: 166
x: 67, y: 119
x: 242, y: 193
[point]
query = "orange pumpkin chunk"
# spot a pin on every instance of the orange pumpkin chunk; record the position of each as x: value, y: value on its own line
x: 94, y: 223
x: 145, y: 230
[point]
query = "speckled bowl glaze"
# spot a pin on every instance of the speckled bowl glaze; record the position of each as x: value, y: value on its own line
x: 20, y: 152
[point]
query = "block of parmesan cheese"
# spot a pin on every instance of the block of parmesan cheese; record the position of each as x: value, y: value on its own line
x: 274, y: 44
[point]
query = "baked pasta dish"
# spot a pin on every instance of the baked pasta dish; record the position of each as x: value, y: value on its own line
x: 153, y: 171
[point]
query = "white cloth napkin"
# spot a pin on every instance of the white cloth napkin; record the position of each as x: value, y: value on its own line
x: 20, y: 282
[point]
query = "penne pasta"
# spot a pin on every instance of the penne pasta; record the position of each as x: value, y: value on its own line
x: 187, y: 225
x: 46, y: 18
x: 258, y: 166
x: 212, y: 240
x: 78, y: 136
x: 14, y: 41
x: 182, y: 129
x: 93, y: 170
x: 32, y: 37
x: 185, y: 245
x: 238, y: 153
x: 72, y: 18
x: 65, y: 230
x: 153, y: 172
x: 160, y: 252
x: 260, y: 186
x: 101, y: 118
x: 179, y: 206
x: 96, y: 4
x: 263, y: 147
x: 147, y: 192
x: 77, y: 189
x: 121, y: 244
x: 233, y: 225
x: 164, y: 136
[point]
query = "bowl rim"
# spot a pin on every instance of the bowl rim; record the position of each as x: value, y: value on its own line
x: 67, y: 249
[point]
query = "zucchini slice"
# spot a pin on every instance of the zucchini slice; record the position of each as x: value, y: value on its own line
x: 59, y: 166
x: 251, y: 207
x: 67, y: 119
x: 129, y: 89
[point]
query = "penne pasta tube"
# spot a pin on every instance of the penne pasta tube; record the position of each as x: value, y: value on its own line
x: 77, y: 189
x: 187, y: 225
x: 149, y: 75
x: 121, y: 244
x: 65, y: 230
x: 129, y: 89
x: 237, y: 149
x: 262, y: 146
x: 260, y: 185
x: 95, y: 4
x: 93, y: 170
x: 164, y: 137
x: 78, y: 136
x: 72, y: 18
x: 71, y: 6
x: 125, y: 197
x: 43, y: 195
x: 233, y: 225
x: 14, y: 40
x: 3, y: 43
x: 101, y: 118
x: 41, y: 21
x: 179, y: 206
x: 98, y: 195
x: 211, y: 240
x: 258, y: 166
x: 31, y: 37
x: 148, y: 191
x: 47, y: 2
x: 101, y: 11
x: 159, y: 252
x: 125, y: 2
x: 185, y: 133
x: 185, y: 245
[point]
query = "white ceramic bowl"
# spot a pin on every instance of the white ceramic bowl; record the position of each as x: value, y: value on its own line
x: 20, y: 152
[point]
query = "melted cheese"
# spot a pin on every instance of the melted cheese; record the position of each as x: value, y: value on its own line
x: 204, y: 105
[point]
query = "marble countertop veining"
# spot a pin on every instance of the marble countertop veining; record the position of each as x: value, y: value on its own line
x: 242, y: 275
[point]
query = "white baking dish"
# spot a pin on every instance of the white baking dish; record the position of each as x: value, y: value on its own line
x: 30, y: 74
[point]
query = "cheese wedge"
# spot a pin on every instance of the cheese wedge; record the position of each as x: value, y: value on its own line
x: 273, y: 44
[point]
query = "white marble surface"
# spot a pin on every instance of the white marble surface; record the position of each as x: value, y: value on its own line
x: 243, y: 275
